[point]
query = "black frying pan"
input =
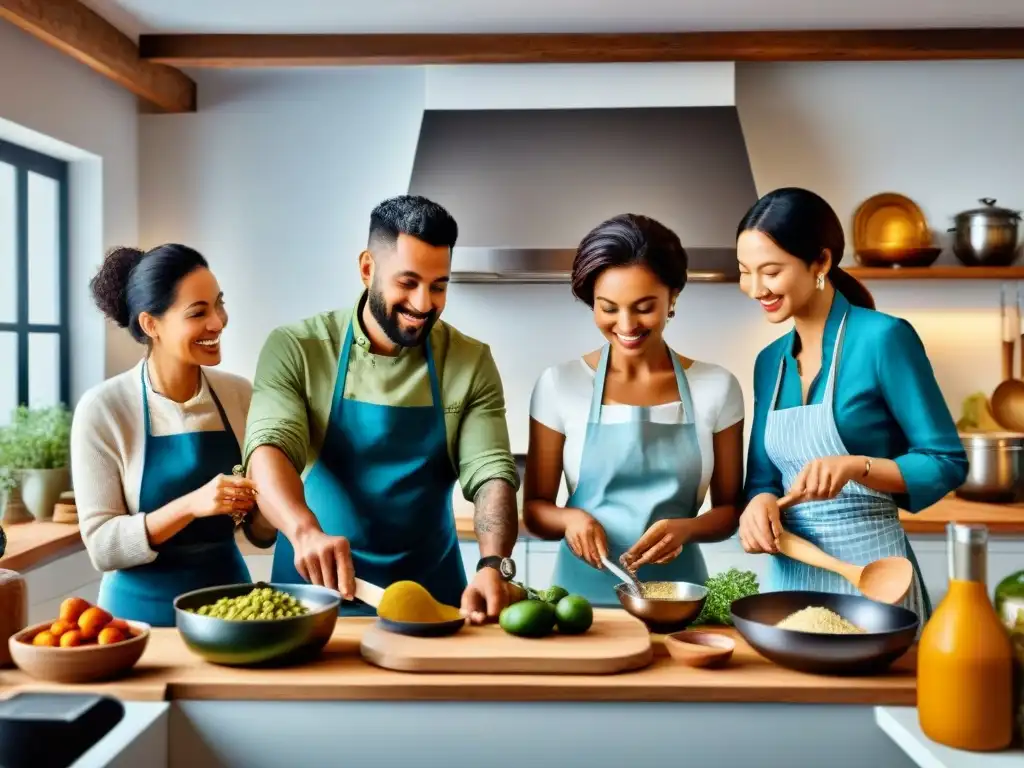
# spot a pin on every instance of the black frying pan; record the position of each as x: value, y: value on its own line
x: 891, y: 631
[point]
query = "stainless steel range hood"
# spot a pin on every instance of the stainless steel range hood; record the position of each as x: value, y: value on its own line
x: 526, y: 185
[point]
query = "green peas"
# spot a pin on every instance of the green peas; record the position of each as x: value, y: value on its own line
x: 261, y: 604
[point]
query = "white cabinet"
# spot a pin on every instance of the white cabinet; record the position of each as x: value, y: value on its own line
x: 50, y: 584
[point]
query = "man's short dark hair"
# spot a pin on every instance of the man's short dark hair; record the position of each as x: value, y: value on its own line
x: 414, y: 216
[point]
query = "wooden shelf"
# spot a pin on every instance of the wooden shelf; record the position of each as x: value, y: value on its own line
x: 937, y: 273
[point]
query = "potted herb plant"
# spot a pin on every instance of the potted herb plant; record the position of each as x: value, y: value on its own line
x: 35, y: 450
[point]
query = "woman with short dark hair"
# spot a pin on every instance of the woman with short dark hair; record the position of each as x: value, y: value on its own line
x: 848, y: 417
x: 153, y: 449
x: 639, y: 431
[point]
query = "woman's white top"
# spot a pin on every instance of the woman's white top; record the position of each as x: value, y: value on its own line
x: 107, y: 451
x: 561, y: 401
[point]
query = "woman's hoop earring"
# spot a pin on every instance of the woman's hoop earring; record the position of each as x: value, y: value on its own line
x: 820, y: 283
x: 671, y: 313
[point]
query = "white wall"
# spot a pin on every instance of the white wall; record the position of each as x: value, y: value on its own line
x: 53, y: 104
x: 275, y: 176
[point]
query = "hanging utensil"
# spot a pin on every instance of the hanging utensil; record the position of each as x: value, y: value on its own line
x: 1008, y: 397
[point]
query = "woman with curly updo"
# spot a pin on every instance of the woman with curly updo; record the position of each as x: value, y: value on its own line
x: 153, y: 449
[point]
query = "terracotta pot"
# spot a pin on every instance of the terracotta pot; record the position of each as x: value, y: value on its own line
x: 13, y: 611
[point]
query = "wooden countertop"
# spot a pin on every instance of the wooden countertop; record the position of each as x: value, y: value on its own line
x: 169, y: 671
x: 32, y: 544
x: 1001, y: 519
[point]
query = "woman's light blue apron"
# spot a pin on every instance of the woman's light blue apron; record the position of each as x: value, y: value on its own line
x: 860, y: 525
x: 633, y: 474
x: 204, y: 553
x: 383, y: 480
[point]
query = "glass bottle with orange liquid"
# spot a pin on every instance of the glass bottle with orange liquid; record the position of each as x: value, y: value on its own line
x: 965, y: 660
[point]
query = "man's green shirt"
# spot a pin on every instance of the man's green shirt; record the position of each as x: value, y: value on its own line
x: 298, y: 369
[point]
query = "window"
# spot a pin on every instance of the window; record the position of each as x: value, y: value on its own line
x: 34, y: 343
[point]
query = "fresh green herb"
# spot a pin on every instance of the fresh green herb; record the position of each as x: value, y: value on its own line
x: 723, y: 588
x: 38, y: 438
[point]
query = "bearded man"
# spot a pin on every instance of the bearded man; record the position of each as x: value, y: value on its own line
x: 361, y: 421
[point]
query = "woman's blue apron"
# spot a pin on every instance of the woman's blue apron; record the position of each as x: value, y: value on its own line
x: 204, y: 553
x: 633, y: 474
x: 860, y: 525
x: 383, y: 480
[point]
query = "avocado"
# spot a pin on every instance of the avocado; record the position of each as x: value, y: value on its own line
x: 528, y: 618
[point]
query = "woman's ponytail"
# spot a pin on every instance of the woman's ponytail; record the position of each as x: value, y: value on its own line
x: 852, y: 288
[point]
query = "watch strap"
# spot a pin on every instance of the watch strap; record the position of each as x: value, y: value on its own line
x: 503, y: 565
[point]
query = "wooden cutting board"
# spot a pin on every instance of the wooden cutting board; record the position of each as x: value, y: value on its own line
x: 616, y: 642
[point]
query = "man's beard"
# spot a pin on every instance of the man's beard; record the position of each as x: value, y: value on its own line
x: 389, y: 322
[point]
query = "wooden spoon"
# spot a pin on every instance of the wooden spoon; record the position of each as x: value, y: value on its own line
x: 1008, y: 398
x: 886, y: 580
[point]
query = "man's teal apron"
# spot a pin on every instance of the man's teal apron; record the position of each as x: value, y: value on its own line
x: 204, y: 553
x: 633, y: 474
x: 383, y: 480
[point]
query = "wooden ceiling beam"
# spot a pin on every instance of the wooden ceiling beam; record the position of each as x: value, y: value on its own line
x: 79, y: 32
x: 231, y: 50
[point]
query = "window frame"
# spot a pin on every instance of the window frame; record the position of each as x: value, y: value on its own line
x: 25, y: 161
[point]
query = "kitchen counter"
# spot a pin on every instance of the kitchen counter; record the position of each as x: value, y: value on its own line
x: 901, y: 725
x: 221, y: 717
x: 168, y: 670
x: 34, y: 543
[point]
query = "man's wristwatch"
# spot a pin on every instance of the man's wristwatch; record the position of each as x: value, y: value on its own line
x: 506, y: 566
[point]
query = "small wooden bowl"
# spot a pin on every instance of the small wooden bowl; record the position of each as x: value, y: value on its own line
x: 700, y: 649
x: 81, y: 664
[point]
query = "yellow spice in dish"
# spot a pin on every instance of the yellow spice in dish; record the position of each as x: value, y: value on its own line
x: 411, y: 602
x: 820, y: 620
x: 657, y: 590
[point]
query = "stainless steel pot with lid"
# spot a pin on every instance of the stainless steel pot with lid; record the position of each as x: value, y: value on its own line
x: 986, y: 236
x: 996, y: 467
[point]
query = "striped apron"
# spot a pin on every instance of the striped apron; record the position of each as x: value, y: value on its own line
x: 860, y: 525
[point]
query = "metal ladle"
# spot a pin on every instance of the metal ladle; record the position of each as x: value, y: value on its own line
x: 1008, y: 398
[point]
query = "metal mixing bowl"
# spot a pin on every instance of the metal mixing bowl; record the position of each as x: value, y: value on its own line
x: 664, y: 615
x: 252, y: 643
x: 890, y: 631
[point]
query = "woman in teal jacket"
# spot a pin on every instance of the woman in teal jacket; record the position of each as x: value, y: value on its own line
x: 848, y: 415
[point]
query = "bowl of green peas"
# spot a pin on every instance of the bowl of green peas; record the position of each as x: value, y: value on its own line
x: 257, y: 624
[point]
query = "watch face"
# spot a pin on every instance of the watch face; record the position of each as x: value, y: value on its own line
x: 507, y: 567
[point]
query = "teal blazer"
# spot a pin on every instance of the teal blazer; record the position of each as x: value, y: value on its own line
x: 887, y: 404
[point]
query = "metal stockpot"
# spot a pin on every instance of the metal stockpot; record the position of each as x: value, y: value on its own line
x: 986, y: 236
x: 996, y: 473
